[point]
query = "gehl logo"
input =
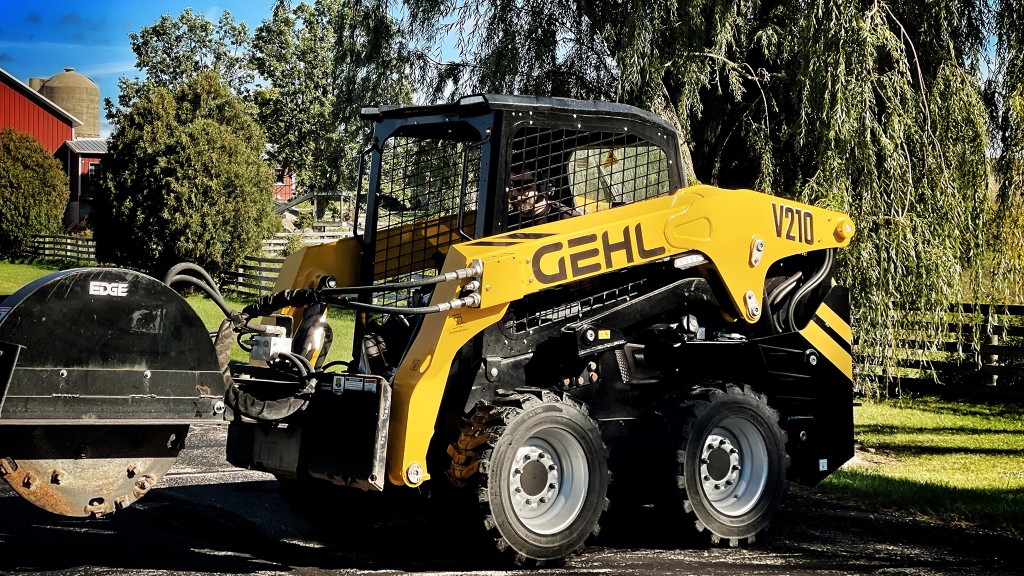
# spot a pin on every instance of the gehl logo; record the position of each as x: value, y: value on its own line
x: 798, y: 223
x: 108, y: 289
x: 587, y: 254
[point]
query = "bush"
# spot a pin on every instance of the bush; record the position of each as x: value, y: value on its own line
x: 186, y: 180
x: 33, y: 191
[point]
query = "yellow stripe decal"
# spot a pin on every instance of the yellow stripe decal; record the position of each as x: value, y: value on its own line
x: 835, y: 322
x: 829, y: 348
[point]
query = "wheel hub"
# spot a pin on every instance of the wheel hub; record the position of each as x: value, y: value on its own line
x: 720, y: 464
x: 535, y: 478
x: 548, y: 481
x: 734, y: 466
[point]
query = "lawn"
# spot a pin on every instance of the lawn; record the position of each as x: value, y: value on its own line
x: 14, y: 276
x: 951, y: 461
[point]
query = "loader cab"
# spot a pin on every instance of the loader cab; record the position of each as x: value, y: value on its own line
x: 454, y: 163
x: 440, y: 175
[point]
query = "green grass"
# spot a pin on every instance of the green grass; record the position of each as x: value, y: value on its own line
x: 14, y: 276
x: 950, y: 461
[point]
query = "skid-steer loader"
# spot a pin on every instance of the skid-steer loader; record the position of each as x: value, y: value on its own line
x: 541, y: 304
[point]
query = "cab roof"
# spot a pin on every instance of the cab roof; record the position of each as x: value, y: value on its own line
x: 482, y: 103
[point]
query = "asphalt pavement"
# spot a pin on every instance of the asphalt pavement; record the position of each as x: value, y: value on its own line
x: 207, y: 517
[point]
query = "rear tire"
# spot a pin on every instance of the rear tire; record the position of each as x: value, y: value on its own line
x: 730, y: 463
x: 540, y: 470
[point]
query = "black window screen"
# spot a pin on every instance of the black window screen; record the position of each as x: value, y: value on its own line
x: 574, y: 172
x: 426, y: 202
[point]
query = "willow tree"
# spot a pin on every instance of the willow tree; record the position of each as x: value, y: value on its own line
x: 875, y: 108
x: 1005, y: 92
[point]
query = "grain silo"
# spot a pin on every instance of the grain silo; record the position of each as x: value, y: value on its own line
x: 77, y: 94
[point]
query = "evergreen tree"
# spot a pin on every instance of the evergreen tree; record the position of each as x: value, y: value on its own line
x: 186, y: 180
x: 33, y: 191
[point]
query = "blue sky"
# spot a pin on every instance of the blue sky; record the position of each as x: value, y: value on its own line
x: 40, y: 39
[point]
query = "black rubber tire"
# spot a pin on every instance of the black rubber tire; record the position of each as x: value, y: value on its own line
x: 730, y: 463
x: 540, y: 469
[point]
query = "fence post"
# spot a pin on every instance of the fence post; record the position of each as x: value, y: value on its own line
x: 992, y: 339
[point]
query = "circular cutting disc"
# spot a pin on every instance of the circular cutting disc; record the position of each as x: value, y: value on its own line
x: 87, y: 470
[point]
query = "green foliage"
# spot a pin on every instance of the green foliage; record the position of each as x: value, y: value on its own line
x: 185, y: 181
x: 318, y: 65
x: 33, y: 191
x: 173, y: 51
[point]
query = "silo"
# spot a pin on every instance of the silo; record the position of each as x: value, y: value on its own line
x: 78, y: 95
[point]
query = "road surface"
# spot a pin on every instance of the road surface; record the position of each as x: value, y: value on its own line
x: 207, y: 517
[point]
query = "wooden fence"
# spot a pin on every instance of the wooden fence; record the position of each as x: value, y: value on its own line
x: 255, y: 275
x: 278, y: 244
x: 70, y: 248
x: 979, y: 347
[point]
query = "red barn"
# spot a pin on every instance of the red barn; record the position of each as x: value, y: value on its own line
x: 82, y: 160
x: 29, y: 111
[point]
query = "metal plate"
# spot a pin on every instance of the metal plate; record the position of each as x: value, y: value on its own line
x: 87, y: 470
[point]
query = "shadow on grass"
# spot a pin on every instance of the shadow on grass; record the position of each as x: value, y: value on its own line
x: 995, y: 510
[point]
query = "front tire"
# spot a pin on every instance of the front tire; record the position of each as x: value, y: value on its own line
x: 541, y: 473
x: 730, y: 463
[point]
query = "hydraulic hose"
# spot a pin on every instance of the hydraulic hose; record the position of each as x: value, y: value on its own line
x: 811, y: 284
x: 465, y: 302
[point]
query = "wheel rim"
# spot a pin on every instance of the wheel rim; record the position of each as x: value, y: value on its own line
x: 548, y: 481
x: 734, y: 466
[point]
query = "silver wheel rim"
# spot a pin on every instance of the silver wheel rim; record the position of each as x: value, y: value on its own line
x: 734, y: 466
x: 548, y: 481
